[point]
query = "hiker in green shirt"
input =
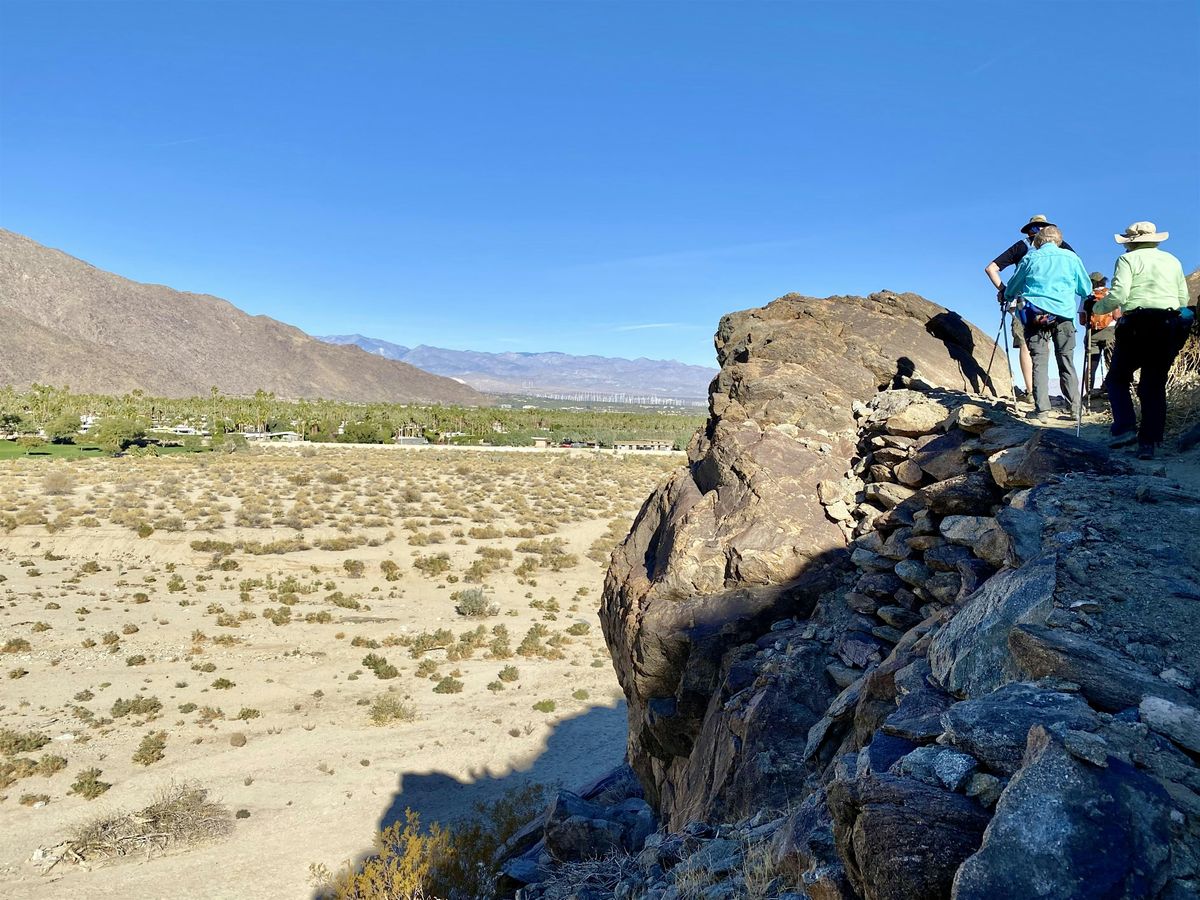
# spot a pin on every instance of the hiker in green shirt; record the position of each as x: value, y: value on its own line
x: 1149, y: 290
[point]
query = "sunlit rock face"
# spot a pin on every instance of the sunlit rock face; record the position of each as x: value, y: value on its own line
x: 742, y: 536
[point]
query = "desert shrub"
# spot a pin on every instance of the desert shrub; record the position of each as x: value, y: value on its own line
x: 16, y: 645
x: 380, y: 666
x: 180, y: 815
x: 391, y: 571
x: 247, y: 713
x: 318, y: 618
x: 473, y: 604
x: 88, y: 785
x: 151, y: 749
x: 509, y: 674
x: 136, y: 706
x: 388, y: 708
x: 354, y: 567
x: 412, y: 861
x: 579, y: 629
x: 431, y: 566
x: 21, y: 742
x: 58, y: 483
x: 545, y: 706
x: 337, y: 598
x: 222, y: 684
x: 448, y: 685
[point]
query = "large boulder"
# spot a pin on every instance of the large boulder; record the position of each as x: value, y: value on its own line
x: 1067, y: 829
x: 740, y: 537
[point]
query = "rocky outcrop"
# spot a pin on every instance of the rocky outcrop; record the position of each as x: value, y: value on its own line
x: 962, y: 665
x: 755, y: 528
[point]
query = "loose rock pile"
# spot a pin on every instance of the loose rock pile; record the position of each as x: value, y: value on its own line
x: 992, y: 691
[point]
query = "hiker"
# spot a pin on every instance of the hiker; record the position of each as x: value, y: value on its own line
x: 1012, y: 257
x: 1102, y: 333
x: 1046, y: 285
x: 1149, y: 289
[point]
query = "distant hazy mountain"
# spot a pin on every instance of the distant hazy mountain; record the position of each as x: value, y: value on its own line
x: 64, y: 322
x: 541, y: 373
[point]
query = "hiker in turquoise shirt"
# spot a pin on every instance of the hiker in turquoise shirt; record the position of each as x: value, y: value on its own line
x: 1048, y: 281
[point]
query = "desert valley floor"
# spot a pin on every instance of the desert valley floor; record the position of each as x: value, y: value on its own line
x: 316, y: 638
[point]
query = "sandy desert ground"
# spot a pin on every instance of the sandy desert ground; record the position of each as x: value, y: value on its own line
x: 316, y: 639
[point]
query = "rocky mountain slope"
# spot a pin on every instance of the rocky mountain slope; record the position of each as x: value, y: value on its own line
x: 64, y: 322
x: 893, y: 644
x: 542, y: 373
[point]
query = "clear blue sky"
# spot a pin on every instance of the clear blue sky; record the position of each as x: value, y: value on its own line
x: 589, y: 177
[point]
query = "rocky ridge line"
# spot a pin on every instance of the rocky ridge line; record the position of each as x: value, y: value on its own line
x: 987, y: 681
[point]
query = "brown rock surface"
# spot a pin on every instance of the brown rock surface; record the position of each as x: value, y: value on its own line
x: 739, y: 537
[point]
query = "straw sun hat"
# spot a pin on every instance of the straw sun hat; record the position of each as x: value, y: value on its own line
x: 1142, y: 233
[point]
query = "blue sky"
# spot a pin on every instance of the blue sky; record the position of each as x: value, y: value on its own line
x: 591, y: 177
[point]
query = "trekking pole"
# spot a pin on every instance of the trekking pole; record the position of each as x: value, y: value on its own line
x: 1085, y: 383
x: 996, y: 347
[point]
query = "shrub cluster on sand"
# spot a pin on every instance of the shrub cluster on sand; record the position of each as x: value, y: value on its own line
x: 411, y: 861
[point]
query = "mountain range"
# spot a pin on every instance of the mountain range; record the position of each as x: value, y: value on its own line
x: 549, y: 372
x: 67, y: 323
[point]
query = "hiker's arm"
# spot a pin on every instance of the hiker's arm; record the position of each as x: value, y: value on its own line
x: 1181, y: 285
x: 1118, y: 288
x: 993, y: 273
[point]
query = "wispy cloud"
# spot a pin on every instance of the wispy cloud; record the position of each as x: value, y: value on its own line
x: 1007, y: 52
x: 648, y: 325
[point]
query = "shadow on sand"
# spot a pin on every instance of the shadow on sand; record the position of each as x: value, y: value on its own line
x: 578, y: 750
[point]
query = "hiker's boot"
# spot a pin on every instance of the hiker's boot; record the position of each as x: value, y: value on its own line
x: 1145, y: 451
x: 1124, y: 439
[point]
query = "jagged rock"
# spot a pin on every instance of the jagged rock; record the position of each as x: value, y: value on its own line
x: 972, y: 418
x: 912, y: 572
x: 947, y: 557
x: 943, y: 457
x: 898, y: 617
x: 1024, y: 531
x: 887, y: 494
x: 971, y: 655
x: 1049, y: 453
x: 577, y: 829
x: 803, y: 849
x: 1010, y: 434
x: 985, y: 788
x: 936, y: 766
x: 901, y: 839
x: 918, y: 715
x: 1067, y: 830
x: 1178, y: 722
x: 966, y: 531
x: 878, y: 584
x: 993, y: 728
x: 954, y: 769
x: 1110, y: 682
x: 865, y: 559
x: 993, y: 547
x: 896, y: 547
x: 972, y: 494
x: 944, y: 587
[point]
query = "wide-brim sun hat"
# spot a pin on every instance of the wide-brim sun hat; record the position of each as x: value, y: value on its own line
x: 1142, y: 232
x: 1098, y: 277
x: 1037, y: 222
